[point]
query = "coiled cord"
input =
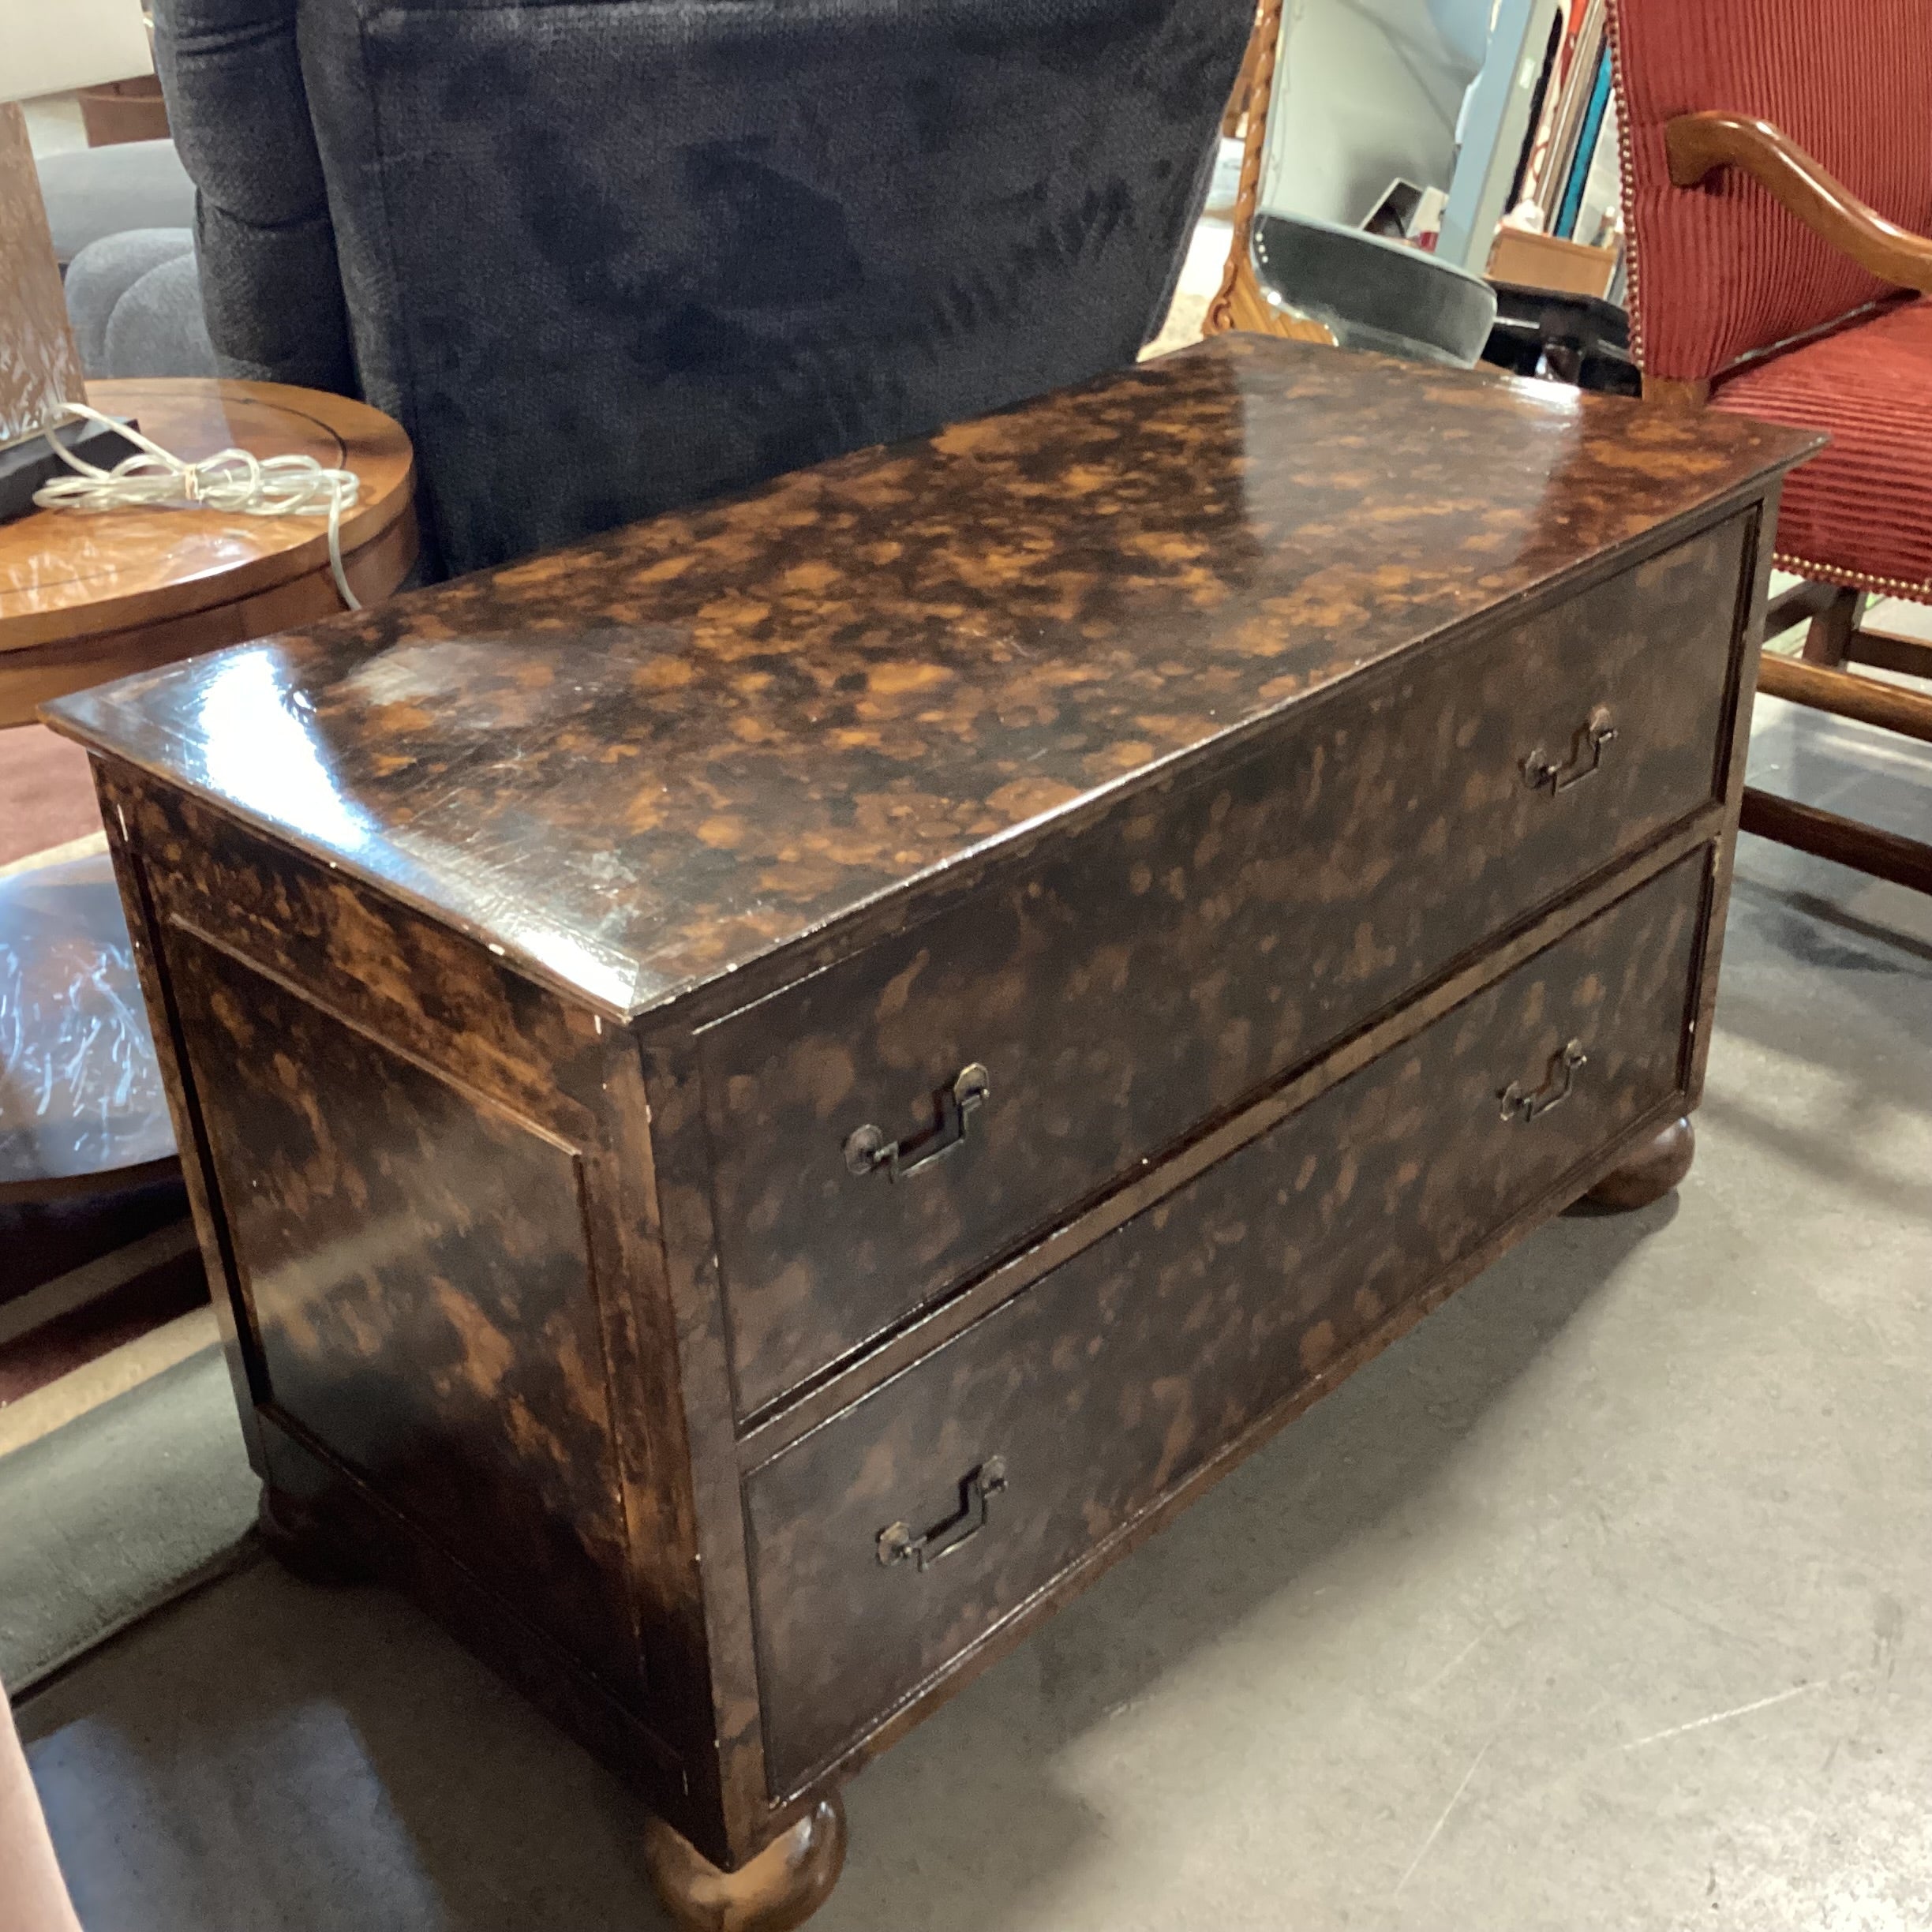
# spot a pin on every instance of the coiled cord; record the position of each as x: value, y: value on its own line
x: 229, y: 480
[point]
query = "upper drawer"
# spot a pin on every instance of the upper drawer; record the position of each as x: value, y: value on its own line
x: 1051, y: 1425
x: 1189, y: 948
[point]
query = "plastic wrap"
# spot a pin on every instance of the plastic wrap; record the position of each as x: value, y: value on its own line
x: 79, y: 1090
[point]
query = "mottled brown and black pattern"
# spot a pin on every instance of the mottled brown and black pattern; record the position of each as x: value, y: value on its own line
x: 415, y: 1266
x: 399, y: 975
x: 1194, y: 945
x: 1161, y: 747
x: 1111, y: 1380
x: 646, y: 760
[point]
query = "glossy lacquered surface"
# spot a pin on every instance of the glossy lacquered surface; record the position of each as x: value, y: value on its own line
x: 1247, y: 781
x: 1192, y: 944
x: 1112, y: 1379
x: 356, y: 1181
x: 640, y: 764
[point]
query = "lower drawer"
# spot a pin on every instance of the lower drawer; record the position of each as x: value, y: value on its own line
x: 1071, y: 1410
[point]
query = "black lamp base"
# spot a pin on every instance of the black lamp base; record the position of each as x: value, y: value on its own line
x: 24, y: 467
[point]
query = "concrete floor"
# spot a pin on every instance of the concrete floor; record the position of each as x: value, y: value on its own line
x: 1604, y: 1600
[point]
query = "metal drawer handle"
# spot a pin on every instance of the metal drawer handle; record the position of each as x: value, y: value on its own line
x: 867, y: 1150
x: 1524, y: 1107
x: 1589, y: 742
x: 897, y: 1541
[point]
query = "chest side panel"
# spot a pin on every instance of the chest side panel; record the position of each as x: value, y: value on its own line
x: 417, y: 1262
x: 408, y: 1160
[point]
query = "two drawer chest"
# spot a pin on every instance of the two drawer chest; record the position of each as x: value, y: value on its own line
x: 767, y: 1094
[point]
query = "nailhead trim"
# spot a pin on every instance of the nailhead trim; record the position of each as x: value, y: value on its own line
x: 1858, y: 580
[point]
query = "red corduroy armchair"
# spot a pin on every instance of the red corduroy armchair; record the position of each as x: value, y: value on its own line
x: 1777, y: 187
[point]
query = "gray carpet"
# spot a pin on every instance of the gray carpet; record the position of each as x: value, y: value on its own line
x: 116, y: 1512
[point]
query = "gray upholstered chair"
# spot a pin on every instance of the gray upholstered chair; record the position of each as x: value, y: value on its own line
x: 119, y: 218
x: 91, y: 193
x: 610, y: 259
x: 135, y: 300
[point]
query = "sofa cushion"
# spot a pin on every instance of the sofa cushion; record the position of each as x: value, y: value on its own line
x: 102, y: 191
x: 1862, y: 510
x: 135, y: 300
x: 607, y: 260
x: 271, y: 289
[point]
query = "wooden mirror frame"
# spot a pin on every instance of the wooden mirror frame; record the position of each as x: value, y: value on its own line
x: 1240, y: 303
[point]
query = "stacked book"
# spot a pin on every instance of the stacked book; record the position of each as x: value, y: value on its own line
x: 1571, y: 184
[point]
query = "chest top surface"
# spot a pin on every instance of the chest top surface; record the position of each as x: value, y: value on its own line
x: 645, y: 762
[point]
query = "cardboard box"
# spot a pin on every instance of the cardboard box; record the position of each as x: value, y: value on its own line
x: 1546, y: 262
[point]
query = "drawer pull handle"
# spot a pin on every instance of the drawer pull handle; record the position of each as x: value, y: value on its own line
x: 1590, y: 742
x: 1524, y: 1107
x: 867, y: 1150
x: 897, y: 1541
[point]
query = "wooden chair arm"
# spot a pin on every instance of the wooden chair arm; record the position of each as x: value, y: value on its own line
x: 1698, y: 143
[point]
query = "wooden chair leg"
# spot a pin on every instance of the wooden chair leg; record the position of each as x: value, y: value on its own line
x: 1828, y: 835
x: 1845, y: 694
x: 1838, y: 634
x: 1830, y: 635
x: 1884, y: 650
x: 1809, y: 601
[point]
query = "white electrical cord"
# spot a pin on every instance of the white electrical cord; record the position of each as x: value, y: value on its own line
x: 230, y: 480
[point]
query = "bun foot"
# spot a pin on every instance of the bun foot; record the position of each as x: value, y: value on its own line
x: 1651, y: 1172
x: 297, y: 1539
x: 782, y: 1887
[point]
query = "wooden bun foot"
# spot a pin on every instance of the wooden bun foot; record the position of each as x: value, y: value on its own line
x: 782, y: 1887
x: 1651, y: 1172
x: 297, y: 1540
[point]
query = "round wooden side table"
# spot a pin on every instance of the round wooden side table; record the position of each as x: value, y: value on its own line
x: 87, y: 596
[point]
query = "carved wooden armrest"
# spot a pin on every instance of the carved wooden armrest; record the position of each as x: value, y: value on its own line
x: 1698, y: 143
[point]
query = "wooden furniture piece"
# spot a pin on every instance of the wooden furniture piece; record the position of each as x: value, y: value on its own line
x: 114, y: 111
x: 1575, y: 338
x: 1550, y: 262
x: 1777, y: 182
x: 85, y: 597
x: 768, y: 1096
x: 1240, y: 302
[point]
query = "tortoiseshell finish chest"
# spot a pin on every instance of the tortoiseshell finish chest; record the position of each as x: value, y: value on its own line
x: 767, y: 1094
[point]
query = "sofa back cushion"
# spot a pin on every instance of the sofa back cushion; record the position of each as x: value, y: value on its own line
x: 613, y: 257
